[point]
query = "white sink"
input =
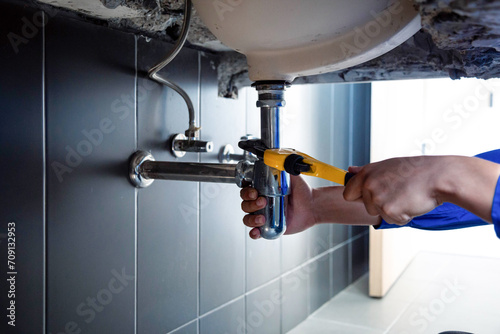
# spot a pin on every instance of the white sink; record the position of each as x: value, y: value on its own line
x: 284, y: 39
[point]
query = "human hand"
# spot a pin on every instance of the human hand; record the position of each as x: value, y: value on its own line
x: 397, y: 189
x: 299, y: 214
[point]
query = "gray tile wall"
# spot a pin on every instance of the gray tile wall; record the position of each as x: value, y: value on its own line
x: 99, y: 256
x: 90, y: 209
x: 22, y: 184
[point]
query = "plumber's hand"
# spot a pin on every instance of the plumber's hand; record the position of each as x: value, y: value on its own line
x: 397, y: 189
x: 299, y: 214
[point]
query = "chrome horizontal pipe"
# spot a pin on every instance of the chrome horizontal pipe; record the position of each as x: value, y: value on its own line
x: 144, y: 169
x: 187, y: 171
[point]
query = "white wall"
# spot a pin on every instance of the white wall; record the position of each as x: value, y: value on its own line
x: 439, y: 117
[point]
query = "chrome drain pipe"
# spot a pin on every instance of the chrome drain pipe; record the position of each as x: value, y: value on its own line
x: 269, y: 182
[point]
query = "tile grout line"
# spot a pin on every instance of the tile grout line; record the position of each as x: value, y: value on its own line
x: 350, y: 159
x: 308, y: 277
x: 398, y: 317
x: 44, y: 182
x: 136, y: 192
x: 349, y: 324
x: 281, y: 284
x: 184, y: 326
x: 332, y: 158
x: 198, y: 216
x: 206, y: 314
x: 330, y: 275
x: 245, y: 270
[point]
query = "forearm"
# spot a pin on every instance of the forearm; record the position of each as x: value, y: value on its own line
x: 329, y: 206
x: 469, y: 183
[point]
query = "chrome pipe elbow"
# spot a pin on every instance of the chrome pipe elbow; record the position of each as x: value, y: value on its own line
x: 273, y: 185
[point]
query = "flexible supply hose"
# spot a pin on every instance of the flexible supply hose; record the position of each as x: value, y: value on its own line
x: 192, y: 131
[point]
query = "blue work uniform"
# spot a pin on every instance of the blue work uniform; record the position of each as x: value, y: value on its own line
x: 450, y: 216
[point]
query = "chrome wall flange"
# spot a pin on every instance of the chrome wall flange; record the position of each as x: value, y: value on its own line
x: 182, y: 144
x: 176, y: 151
x: 135, y: 165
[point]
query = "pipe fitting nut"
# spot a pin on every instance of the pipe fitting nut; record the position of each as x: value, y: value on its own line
x: 244, y: 173
x: 270, y: 103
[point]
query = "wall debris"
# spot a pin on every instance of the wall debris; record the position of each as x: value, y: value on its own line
x: 458, y: 39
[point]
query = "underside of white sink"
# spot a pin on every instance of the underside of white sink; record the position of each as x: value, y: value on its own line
x: 284, y: 39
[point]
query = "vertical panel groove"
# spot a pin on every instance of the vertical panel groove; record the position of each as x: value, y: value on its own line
x: 44, y: 182
x: 350, y: 135
x: 198, y: 216
x: 136, y: 193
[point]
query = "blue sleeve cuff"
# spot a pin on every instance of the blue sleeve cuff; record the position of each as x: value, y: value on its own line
x: 495, y: 209
x: 445, y: 217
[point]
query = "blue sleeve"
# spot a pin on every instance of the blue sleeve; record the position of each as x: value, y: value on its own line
x: 450, y: 216
x: 495, y: 210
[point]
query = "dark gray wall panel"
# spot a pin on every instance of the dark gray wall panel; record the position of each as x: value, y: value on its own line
x: 22, y: 151
x: 263, y: 310
x: 361, y: 132
x: 361, y: 114
x: 168, y: 210
x: 228, y: 319
x: 91, y: 208
x: 341, y: 126
x: 222, y: 233
x: 360, y: 257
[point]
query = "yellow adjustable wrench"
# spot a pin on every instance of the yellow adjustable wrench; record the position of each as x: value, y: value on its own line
x: 295, y: 162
